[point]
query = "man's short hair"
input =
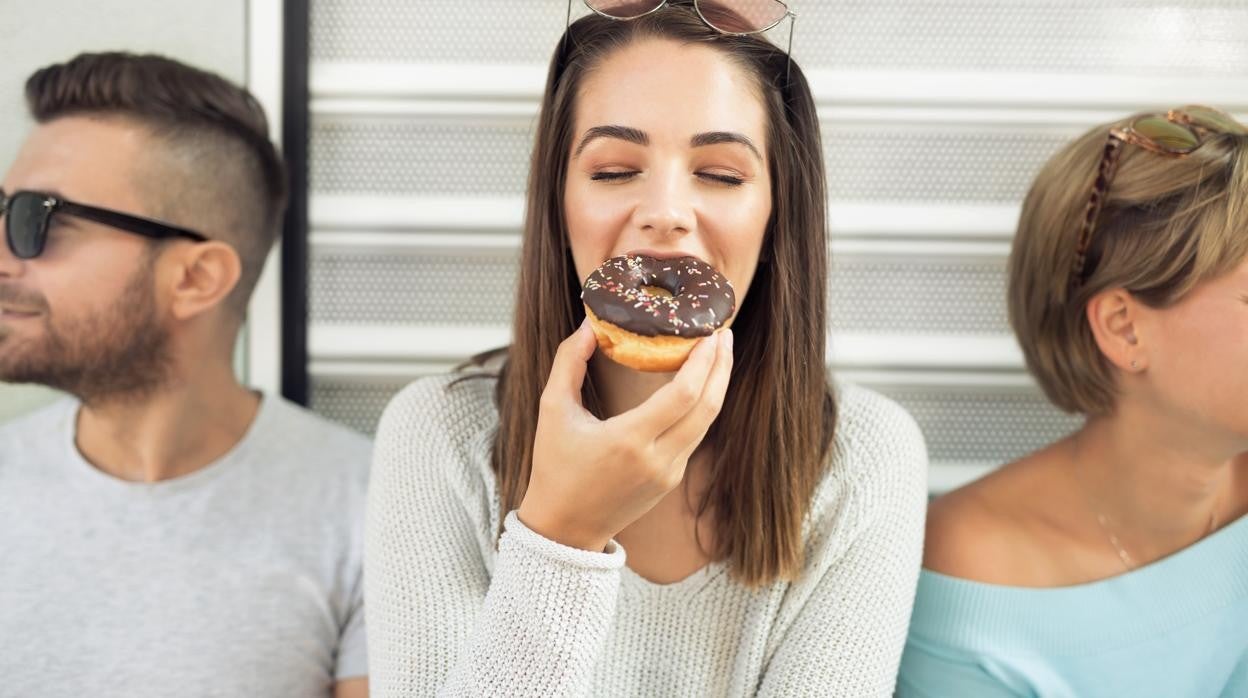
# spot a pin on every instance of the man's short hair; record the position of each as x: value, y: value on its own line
x: 220, y: 173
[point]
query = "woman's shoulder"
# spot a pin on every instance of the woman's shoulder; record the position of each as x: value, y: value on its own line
x: 451, y: 406
x: 876, y: 441
x: 440, y: 426
x: 1001, y: 528
x: 877, y: 466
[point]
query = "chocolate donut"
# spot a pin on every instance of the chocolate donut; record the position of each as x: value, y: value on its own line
x: 651, y: 331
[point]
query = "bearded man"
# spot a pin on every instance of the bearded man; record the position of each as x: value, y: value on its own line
x: 165, y: 531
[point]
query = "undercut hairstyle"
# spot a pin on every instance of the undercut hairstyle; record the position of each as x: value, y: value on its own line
x: 215, y: 171
x: 1167, y: 225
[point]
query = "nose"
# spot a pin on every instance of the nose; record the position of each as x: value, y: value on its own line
x: 666, y: 210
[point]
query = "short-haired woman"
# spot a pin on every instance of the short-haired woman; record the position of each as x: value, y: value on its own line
x: 1115, y: 561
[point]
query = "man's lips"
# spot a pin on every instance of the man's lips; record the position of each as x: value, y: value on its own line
x: 15, y: 314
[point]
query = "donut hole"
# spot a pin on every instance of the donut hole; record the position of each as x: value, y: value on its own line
x: 657, y: 291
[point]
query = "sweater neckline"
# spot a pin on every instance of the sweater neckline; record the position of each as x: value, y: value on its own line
x: 691, y: 584
x: 1203, y: 578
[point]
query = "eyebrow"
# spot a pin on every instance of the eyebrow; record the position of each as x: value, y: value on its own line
x: 632, y: 135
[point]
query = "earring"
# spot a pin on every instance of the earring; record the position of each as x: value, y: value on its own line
x: 1135, y: 364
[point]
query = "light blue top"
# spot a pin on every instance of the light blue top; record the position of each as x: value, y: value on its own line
x: 1175, y: 628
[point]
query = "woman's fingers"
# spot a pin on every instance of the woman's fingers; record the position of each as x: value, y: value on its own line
x: 679, y: 441
x: 567, y: 373
x: 670, y: 403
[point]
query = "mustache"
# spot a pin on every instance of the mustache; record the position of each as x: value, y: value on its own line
x: 11, y: 295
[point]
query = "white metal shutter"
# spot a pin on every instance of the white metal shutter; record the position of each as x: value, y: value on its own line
x: 936, y: 115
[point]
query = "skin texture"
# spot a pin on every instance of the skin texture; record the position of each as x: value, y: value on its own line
x: 1172, y: 454
x: 138, y: 330
x: 665, y: 198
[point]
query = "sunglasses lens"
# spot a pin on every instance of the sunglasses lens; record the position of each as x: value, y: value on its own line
x: 1174, y: 137
x: 24, y: 216
x: 623, y: 9
x: 741, y: 16
x: 1213, y: 119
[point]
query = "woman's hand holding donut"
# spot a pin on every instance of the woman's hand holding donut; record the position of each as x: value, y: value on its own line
x: 592, y: 478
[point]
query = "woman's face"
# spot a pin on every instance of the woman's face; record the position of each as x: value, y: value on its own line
x: 1197, y: 355
x: 669, y: 158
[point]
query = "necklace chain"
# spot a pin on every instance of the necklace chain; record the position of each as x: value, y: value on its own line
x: 1127, y: 560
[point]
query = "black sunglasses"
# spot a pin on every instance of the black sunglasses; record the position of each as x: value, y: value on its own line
x: 28, y: 213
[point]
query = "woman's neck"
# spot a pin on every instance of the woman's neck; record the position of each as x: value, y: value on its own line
x: 1156, y: 482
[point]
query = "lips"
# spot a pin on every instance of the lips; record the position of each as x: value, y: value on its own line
x: 670, y: 254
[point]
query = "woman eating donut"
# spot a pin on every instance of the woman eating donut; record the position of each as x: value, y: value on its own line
x: 1113, y: 562
x: 670, y: 501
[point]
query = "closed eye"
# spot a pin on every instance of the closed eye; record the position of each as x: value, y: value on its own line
x: 610, y: 176
x: 621, y: 176
x: 723, y: 179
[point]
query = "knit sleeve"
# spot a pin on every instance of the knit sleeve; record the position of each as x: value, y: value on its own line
x: 847, y: 637
x: 440, y: 620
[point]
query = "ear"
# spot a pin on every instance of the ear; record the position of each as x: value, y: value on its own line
x: 205, y: 274
x: 1114, y: 316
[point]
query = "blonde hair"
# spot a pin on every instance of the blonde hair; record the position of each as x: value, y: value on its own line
x: 1167, y: 224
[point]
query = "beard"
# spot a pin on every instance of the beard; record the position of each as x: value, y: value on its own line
x: 119, y: 354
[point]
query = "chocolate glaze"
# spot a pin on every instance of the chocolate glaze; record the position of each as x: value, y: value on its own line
x: 702, y: 299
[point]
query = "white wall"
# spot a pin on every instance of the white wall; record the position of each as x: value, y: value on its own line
x: 210, y: 35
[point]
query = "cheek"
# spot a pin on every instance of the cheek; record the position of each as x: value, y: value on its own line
x: 1202, y: 364
x: 85, y: 291
x: 737, y: 237
x: 593, y: 223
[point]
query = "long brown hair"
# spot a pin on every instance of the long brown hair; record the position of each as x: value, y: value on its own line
x: 773, y: 434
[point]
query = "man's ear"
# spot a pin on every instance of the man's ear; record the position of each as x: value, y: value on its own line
x: 203, y: 274
x: 1114, y: 316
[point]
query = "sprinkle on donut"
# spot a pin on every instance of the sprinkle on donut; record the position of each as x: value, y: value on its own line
x: 702, y: 299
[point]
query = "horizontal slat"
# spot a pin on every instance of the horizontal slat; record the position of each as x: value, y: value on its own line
x: 972, y: 422
x: 360, y: 342
x: 433, y: 213
x: 926, y: 290
x: 901, y: 88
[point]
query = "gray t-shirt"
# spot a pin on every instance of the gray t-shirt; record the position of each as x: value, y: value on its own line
x: 240, y: 579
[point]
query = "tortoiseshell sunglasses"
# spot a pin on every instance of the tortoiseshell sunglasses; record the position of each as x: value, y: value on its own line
x: 1177, y: 133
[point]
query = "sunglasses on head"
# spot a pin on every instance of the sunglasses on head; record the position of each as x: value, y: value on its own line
x: 1175, y: 134
x: 27, y: 215
x: 731, y: 17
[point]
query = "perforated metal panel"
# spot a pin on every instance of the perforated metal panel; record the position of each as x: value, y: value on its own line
x: 866, y: 294
x: 924, y: 186
x: 489, y: 157
x: 1074, y: 36
x: 947, y: 163
x: 919, y: 295
x: 357, y: 403
x: 357, y: 287
x: 965, y: 425
x: 489, y: 31
x: 972, y: 35
x: 419, y: 156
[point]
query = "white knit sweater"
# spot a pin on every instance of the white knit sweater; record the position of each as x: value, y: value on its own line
x: 448, y: 614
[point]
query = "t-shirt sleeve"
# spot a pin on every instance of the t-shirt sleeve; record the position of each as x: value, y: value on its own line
x: 352, y: 660
x: 446, y: 615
